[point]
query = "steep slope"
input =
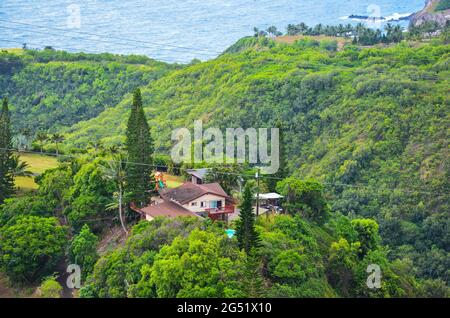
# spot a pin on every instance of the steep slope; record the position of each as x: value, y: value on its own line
x: 49, y: 89
x: 372, y: 124
x: 205, y: 90
x: 436, y: 11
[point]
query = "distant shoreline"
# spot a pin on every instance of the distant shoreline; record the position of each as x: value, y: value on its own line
x: 394, y: 18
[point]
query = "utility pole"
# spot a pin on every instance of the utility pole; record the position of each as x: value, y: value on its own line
x: 257, y: 193
x: 240, y: 180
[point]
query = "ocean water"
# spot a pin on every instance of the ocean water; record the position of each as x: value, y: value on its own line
x: 170, y: 30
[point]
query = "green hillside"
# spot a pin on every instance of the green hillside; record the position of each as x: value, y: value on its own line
x: 371, y: 124
x: 50, y: 89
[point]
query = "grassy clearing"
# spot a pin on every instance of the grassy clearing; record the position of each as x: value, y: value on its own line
x: 37, y: 165
x: 173, y: 181
x: 13, y: 50
x: 25, y: 184
x: 290, y: 39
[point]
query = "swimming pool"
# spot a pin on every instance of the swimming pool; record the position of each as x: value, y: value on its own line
x: 230, y: 232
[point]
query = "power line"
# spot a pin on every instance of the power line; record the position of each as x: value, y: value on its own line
x: 114, y: 37
x: 93, y: 40
x: 68, y: 49
x: 223, y: 173
x: 112, y: 218
x: 43, y: 45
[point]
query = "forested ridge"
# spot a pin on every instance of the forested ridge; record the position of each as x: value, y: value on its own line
x: 52, y: 89
x: 365, y: 132
x: 371, y: 124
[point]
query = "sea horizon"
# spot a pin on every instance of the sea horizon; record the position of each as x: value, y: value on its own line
x: 172, y: 31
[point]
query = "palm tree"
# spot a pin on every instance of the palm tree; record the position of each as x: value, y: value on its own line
x: 256, y: 31
x: 272, y: 31
x: 349, y: 30
x: 41, y: 138
x: 340, y: 29
x: 302, y: 28
x: 397, y: 34
x: 95, y: 145
x: 291, y: 29
x: 115, y: 171
x: 21, y: 143
x: 20, y: 168
x: 57, y: 139
x: 359, y: 29
x: 388, y: 28
x: 114, y: 149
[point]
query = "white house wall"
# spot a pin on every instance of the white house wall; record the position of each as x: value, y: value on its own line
x: 207, y: 198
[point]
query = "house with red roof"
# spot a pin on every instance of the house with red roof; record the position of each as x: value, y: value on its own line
x: 189, y: 199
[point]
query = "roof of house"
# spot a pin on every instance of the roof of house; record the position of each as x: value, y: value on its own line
x: 199, y: 173
x: 167, y: 208
x: 214, y: 188
x: 189, y: 191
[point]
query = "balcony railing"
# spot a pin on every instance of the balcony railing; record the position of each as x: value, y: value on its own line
x: 221, y: 210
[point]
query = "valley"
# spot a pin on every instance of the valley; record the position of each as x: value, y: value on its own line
x: 87, y: 176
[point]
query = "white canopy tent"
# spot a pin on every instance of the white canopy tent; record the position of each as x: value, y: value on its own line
x: 269, y: 196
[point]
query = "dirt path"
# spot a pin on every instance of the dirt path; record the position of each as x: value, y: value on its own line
x: 5, y: 291
x: 62, y: 279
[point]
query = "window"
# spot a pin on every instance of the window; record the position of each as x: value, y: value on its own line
x: 203, y: 204
x: 193, y: 203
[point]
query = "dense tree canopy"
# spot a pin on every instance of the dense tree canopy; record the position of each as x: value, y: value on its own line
x: 51, y: 89
x: 305, y: 197
x: 6, y: 156
x: 198, y: 266
x: 365, y: 136
x: 30, y: 247
x: 83, y: 250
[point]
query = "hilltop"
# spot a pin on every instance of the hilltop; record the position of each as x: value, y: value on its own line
x: 435, y: 11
